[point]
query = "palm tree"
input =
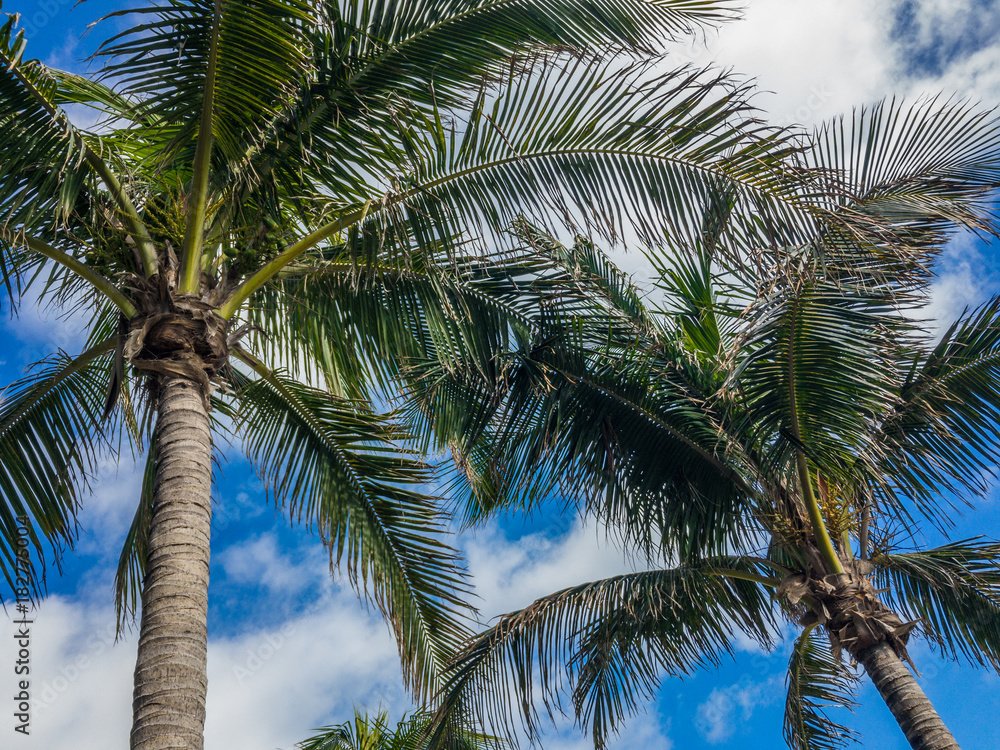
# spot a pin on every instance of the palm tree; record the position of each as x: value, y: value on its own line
x: 373, y: 733
x: 770, y: 436
x: 255, y: 158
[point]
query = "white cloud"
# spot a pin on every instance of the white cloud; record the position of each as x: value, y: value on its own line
x: 267, y: 687
x: 966, y: 278
x: 510, y: 575
x: 80, y: 684
x: 260, y: 562
x: 718, y: 717
x: 270, y: 688
x: 813, y: 59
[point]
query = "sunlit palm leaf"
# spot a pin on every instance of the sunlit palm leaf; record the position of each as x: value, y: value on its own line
x: 161, y: 61
x: 359, y: 322
x: 45, y: 172
x: 373, y: 733
x: 605, y: 147
x: 912, y: 172
x: 436, y: 54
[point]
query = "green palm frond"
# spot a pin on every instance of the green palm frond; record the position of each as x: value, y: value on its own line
x: 162, y: 63
x: 587, y: 403
x: 586, y: 265
x: 359, y: 322
x: 432, y: 54
x: 339, y: 467
x: 373, y: 733
x: 605, y: 147
x: 595, y: 429
x: 954, y: 591
x: 607, y: 643
x: 943, y: 436
x: 911, y: 172
x: 50, y: 432
x: 818, y: 358
x: 33, y: 132
x: 817, y: 682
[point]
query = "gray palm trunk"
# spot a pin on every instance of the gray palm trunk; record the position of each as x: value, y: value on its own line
x: 170, y: 672
x: 901, y: 692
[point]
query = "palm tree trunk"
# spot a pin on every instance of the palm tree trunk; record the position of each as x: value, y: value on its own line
x: 913, y: 711
x: 168, y: 707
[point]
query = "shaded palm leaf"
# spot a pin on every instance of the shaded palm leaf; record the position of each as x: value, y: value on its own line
x: 817, y: 681
x: 954, y: 591
x: 943, y: 435
x: 50, y: 432
x: 339, y: 467
x: 608, y: 643
x: 813, y: 371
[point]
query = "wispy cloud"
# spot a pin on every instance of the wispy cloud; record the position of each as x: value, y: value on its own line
x: 719, y: 717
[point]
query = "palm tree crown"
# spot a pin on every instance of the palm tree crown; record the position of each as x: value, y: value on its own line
x: 773, y: 432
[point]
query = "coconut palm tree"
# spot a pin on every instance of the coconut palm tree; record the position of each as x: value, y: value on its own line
x: 254, y: 158
x: 770, y: 436
x: 373, y: 733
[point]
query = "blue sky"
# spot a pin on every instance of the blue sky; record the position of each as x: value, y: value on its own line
x: 291, y: 649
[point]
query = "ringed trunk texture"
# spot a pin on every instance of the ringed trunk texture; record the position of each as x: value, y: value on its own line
x: 168, y: 707
x: 913, y: 711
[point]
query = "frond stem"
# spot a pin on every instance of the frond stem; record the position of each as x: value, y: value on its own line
x: 194, y: 232
x: 823, y: 540
x: 286, y: 256
x: 743, y: 575
x: 96, y: 280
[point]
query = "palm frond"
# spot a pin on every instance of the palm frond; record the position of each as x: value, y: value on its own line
x: 818, y: 356
x: 608, y: 643
x: 954, y: 591
x: 817, y: 682
x: 339, y: 467
x: 162, y: 62
x: 944, y: 434
x: 373, y: 733
x: 50, y: 432
x: 34, y: 132
x: 587, y: 403
x: 602, y: 147
x: 358, y: 321
x: 910, y: 173
x: 132, y: 560
x: 430, y: 55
